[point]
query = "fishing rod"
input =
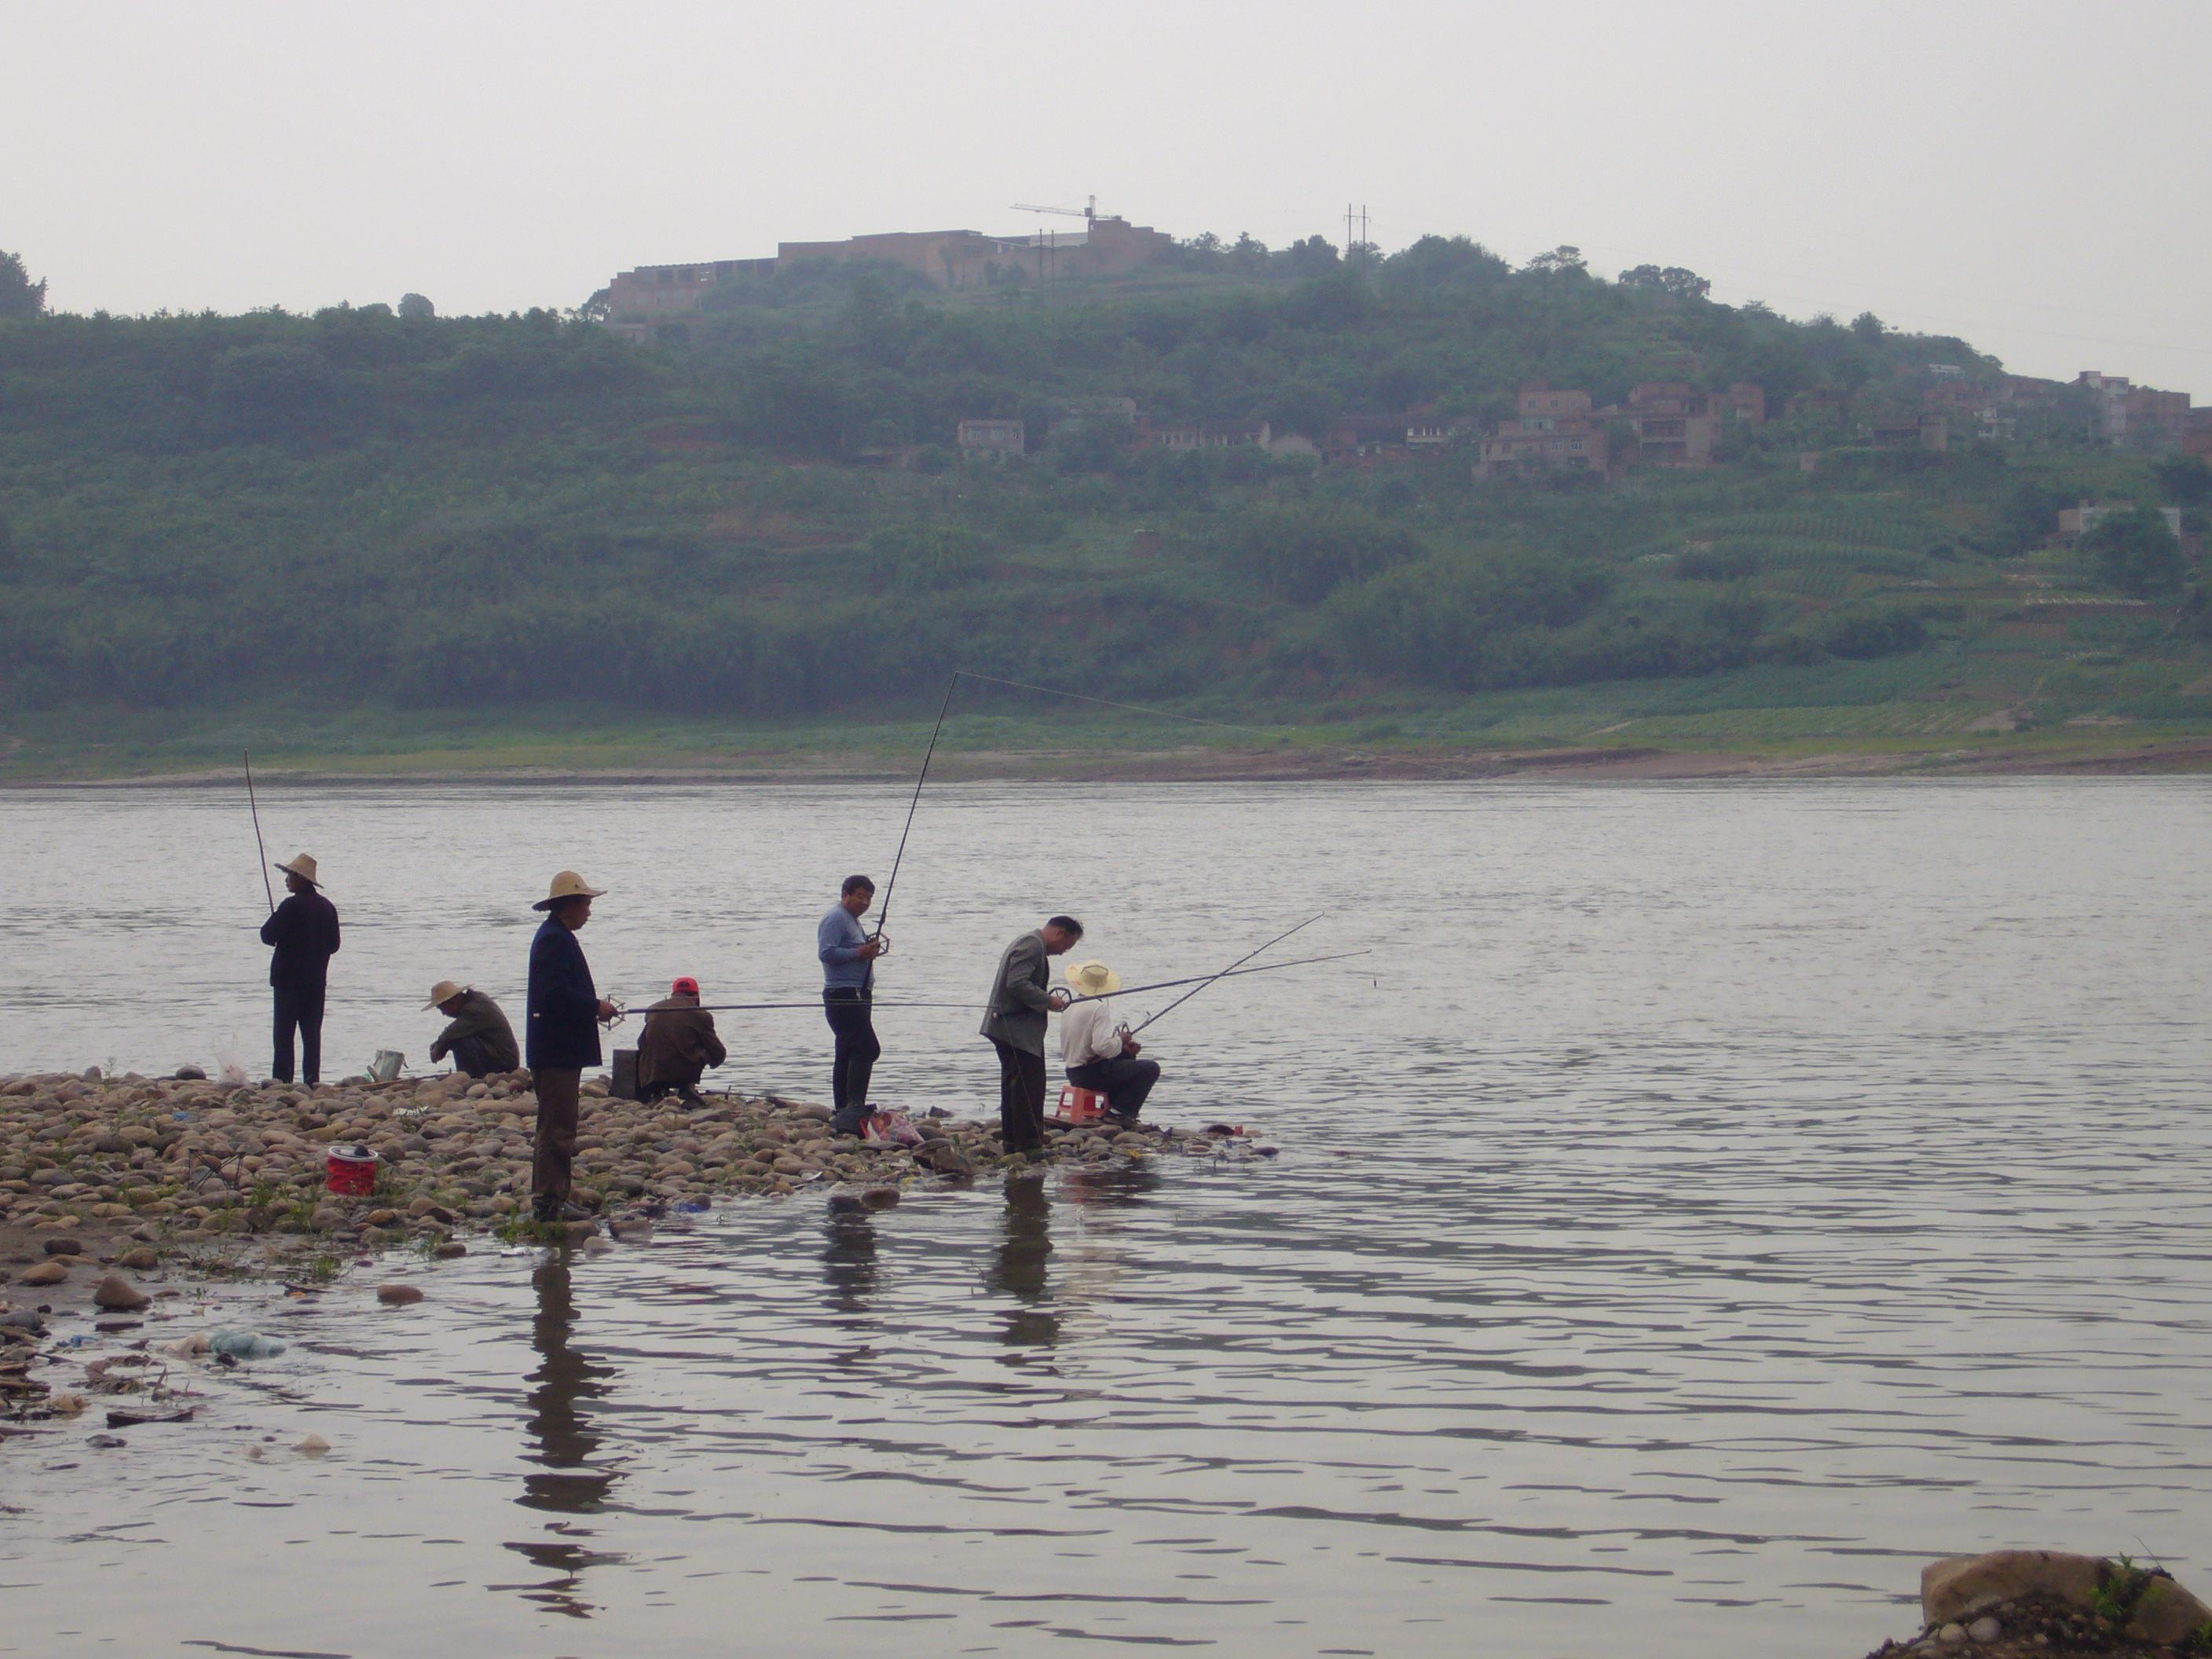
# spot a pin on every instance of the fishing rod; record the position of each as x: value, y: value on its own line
x: 259, y: 846
x: 1162, y: 984
x: 882, y: 914
x: 1231, y: 969
x: 1233, y: 973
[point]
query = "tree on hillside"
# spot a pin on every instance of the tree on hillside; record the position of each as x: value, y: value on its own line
x: 1671, y: 279
x: 1314, y: 257
x: 1248, y: 252
x: 1564, y: 262
x: 412, y: 306
x: 19, y: 295
x: 2135, y: 552
x: 1445, y: 261
x: 1869, y: 329
x: 2184, y: 479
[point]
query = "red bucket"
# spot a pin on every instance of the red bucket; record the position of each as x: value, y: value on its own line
x: 352, y: 1171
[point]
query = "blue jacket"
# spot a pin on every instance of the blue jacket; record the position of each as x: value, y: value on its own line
x: 304, y: 928
x: 563, y: 1023
x: 838, y: 941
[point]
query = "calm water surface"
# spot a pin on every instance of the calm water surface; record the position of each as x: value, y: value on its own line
x: 1705, y: 1204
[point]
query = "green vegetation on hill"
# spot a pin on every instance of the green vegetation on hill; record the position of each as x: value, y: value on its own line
x: 459, y: 521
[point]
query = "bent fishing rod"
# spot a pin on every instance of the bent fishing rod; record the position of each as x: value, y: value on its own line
x: 259, y: 846
x: 1231, y: 969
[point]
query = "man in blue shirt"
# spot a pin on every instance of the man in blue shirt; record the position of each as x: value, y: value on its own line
x: 562, y: 1036
x: 848, y: 980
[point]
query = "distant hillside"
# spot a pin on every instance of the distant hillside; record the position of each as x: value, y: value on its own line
x: 761, y: 515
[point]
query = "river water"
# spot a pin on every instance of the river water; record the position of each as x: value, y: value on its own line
x: 1706, y: 1204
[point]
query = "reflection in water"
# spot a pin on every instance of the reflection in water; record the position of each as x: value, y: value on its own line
x: 568, y: 1485
x: 1024, y: 1246
x: 1111, y: 1188
x: 849, y: 1262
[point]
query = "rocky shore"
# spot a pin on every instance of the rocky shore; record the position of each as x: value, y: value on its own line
x: 2048, y: 1604
x: 106, y: 1180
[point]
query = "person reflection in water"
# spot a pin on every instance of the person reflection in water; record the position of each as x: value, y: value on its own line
x: 849, y: 1261
x: 567, y: 1483
x: 1025, y: 1247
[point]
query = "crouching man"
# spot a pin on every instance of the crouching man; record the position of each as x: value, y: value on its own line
x: 677, y: 1045
x: 478, y: 1038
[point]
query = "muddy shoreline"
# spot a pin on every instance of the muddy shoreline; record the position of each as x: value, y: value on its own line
x: 1595, y: 763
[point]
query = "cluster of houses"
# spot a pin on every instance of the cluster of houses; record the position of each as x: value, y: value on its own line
x: 1563, y: 431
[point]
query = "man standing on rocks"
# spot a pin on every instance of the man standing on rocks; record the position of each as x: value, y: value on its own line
x: 304, y: 929
x: 563, y: 1024
x: 676, y: 1046
x: 848, y: 981
x: 1015, y: 1023
x: 479, y: 1038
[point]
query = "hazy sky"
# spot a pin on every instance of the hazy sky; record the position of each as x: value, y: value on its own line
x: 2032, y: 174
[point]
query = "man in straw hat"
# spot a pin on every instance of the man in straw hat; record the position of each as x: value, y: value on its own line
x: 1015, y: 1022
x: 677, y: 1045
x: 562, y: 1021
x: 304, y: 929
x: 1098, y: 1051
x: 479, y: 1039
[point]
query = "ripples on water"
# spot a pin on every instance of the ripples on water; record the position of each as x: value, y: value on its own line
x: 1708, y: 1204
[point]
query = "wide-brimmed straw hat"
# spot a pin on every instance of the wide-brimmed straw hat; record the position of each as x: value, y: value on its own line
x: 568, y: 885
x: 444, y: 991
x: 302, y: 866
x: 1094, y: 978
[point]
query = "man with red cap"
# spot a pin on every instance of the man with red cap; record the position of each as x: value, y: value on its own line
x: 677, y: 1045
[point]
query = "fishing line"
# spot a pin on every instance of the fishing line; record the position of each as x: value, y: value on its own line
x: 1231, y: 969
x: 259, y: 845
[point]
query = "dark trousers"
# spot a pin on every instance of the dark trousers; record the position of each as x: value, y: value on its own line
x: 1021, y: 1098
x: 1124, y: 1080
x: 472, y: 1055
x: 854, y: 1061
x: 557, y: 1094
x: 298, y: 1008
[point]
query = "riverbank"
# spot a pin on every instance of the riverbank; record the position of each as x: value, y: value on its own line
x: 186, y: 1162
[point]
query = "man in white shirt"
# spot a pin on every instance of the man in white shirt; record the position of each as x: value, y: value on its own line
x: 1099, y: 1054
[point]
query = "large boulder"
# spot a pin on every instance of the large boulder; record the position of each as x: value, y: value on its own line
x: 1960, y: 1586
x: 2168, y: 1614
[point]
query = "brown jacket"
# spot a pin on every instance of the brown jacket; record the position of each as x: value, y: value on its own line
x: 677, y: 1043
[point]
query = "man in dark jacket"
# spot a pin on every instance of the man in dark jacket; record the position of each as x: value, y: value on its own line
x: 562, y: 1021
x: 479, y: 1038
x: 304, y: 929
x: 1014, y: 1022
x: 677, y: 1045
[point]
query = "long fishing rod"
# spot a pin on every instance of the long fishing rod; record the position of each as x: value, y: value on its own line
x: 1231, y: 969
x: 882, y: 914
x: 259, y: 846
x: 1233, y: 973
x: 1162, y: 984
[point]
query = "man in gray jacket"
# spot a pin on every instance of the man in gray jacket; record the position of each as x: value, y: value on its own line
x: 1015, y: 1022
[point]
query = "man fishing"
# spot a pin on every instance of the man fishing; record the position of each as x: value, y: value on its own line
x: 304, y: 931
x: 563, y: 1023
x: 848, y: 980
x: 1015, y: 1023
x: 676, y: 1046
x: 478, y: 1037
x: 1098, y: 1050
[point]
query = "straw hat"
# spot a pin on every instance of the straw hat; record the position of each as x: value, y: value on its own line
x: 302, y: 866
x: 567, y: 885
x: 444, y: 991
x: 1094, y: 978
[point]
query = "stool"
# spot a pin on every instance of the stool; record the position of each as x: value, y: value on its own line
x: 1080, y: 1105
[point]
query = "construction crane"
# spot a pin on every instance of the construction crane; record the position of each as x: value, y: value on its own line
x: 1088, y: 212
